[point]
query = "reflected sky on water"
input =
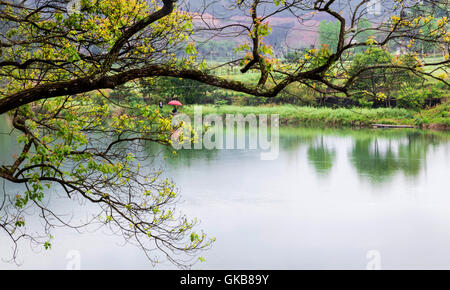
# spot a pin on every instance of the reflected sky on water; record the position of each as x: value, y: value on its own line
x: 331, y: 196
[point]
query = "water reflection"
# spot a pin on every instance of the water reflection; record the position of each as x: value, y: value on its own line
x: 322, y: 192
x: 377, y: 155
x: 378, y: 162
x: 379, y: 158
x: 321, y: 156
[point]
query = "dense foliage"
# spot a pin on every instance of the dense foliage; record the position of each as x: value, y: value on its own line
x: 79, y: 88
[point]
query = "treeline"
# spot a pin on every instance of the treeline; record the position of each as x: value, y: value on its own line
x: 401, y: 88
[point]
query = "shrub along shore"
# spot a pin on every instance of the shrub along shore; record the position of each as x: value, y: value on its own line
x: 433, y: 118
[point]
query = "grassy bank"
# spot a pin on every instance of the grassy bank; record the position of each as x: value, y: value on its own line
x: 438, y: 117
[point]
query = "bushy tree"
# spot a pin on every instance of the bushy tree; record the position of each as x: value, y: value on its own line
x: 329, y: 34
x: 58, y: 65
x: 375, y: 83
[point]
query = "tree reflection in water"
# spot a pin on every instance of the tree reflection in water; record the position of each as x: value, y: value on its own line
x: 321, y: 157
x: 379, y: 158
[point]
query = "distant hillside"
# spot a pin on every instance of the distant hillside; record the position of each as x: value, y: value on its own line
x: 289, y: 31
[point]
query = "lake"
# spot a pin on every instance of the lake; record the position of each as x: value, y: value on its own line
x: 333, y: 199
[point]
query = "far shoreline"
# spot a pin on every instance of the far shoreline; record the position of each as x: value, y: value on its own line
x: 436, y: 118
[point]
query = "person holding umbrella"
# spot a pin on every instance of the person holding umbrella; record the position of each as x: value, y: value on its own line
x: 175, y: 103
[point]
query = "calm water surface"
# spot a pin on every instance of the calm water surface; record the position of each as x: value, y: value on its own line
x: 329, y: 201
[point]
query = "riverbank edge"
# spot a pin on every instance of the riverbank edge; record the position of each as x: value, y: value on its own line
x: 436, y: 118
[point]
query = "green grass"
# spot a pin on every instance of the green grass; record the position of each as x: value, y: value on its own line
x: 438, y: 116
x: 295, y: 115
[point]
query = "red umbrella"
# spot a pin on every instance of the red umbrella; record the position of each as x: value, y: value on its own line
x: 175, y: 103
